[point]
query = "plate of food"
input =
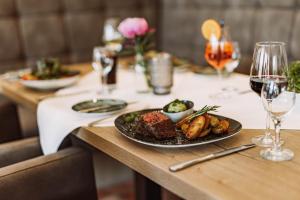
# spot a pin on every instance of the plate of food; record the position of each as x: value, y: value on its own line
x: 100, y: 106
x: 152, y: 127
x: 48, y: 74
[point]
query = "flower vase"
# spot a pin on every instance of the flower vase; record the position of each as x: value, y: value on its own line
x: 142, y: 78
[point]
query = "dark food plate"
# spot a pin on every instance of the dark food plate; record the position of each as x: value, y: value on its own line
x: 128, y: 130
x: 100, y: 106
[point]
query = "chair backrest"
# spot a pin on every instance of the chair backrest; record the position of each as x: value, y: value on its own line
x: 67, y: 29
x: 67, y: 174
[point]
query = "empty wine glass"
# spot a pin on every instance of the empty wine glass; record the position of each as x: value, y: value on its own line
x: 230, y: 67
x: 269, y: 62
x: 235, y: 59
x: 102, y: 63
x: 278, y: 99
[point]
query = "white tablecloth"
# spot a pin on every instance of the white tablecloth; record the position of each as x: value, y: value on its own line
x: 56, y: 118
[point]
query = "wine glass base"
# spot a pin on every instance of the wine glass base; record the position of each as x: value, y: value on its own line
x: 277, y: 155
x: 263, y: 140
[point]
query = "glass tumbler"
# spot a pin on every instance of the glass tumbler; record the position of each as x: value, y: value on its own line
x: 161, y: 73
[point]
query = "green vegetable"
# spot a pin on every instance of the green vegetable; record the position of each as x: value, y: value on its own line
x: 204, y: 110
x: 130, y: 117
x: 176, y: 106
x: 293, y: 74
x: 50, y: 68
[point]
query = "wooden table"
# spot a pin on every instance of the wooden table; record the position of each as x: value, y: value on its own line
x: 27, y: 97
x: 244, y: 175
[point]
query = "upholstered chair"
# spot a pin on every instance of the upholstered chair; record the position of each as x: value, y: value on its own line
x: 26, y: 174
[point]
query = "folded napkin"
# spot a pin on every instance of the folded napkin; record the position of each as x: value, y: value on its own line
x: 56, y: 119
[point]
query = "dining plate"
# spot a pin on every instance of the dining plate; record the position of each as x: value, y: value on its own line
x: 128, y: 130
x: 204, y: 70
x: 51, y: 84
x: 99, y: 106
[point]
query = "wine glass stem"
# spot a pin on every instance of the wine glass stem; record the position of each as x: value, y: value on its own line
x: 268, y: 132
x: 277, y: 144
x: 105, y: 85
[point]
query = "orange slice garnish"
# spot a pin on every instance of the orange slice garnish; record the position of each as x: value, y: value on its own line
x: 211, y: 27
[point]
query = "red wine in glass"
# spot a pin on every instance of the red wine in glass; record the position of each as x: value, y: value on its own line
x: 257, y: 82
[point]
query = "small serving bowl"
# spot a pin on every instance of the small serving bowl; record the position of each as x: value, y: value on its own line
x: 175, y: 117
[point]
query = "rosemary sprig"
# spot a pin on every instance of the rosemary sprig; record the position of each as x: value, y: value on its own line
x: 203, y: 110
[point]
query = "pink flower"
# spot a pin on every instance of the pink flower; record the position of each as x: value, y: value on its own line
x: 132, y: 27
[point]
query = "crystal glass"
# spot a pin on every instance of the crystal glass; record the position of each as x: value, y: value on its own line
x: 161, y: 73
x: 229, y: 90
x: 235, y: 59
x: 278, y: 99
x: 103, y: 61
x: 218, y: 52
x: 269, y: 62
x: 112, y: 38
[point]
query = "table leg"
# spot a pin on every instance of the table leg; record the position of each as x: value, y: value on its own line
x: 145, y: 189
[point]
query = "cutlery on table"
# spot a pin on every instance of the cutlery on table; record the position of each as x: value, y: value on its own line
x: 62, y: 95
x: 87, y: 110
x: 185, y: 164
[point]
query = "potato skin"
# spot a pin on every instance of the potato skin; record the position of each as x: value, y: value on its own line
x: 183, y: 121
x: 195, y: 128
x: 206, y: 128
x: 214, y: 121
x: 184, y: 127
x: 222, y: 127
x: 205, y: 132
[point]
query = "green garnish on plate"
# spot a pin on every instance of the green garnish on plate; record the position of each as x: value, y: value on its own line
x: 51, y: 68
x: 293, y: 74
x: 176, y: 106
x: 203, y: 110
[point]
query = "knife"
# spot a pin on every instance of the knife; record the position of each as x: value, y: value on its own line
x: 185, y: 164
x: 87, y: 110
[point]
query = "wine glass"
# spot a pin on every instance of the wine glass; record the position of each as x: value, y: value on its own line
x: 235, y: 59
x: 231, y: 66
x: 278, y: 99
x: 269, y: 62
x: 112, y: 38
x: 102, y: 63
x: 218, y: 53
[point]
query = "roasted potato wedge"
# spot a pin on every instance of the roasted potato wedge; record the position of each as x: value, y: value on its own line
x: 222, y: 127
x: 205, y: 132
x: 207, y: 121
x: 183, y: 121
x: 206, y: 128
x: 196, y: 127
x: 214, y: 121
x: 185, y: 127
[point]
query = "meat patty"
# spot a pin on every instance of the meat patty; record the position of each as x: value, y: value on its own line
x: 158, y: 125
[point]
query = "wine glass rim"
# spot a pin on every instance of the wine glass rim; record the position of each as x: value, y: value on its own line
x: 270, y: 43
